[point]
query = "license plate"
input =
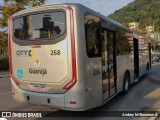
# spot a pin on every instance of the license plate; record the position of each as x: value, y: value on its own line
x: 39, y: 88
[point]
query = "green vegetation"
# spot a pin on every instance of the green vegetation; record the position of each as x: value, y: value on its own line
x: 146, y: 12
x: 4, y: 63
x: 9, y: 8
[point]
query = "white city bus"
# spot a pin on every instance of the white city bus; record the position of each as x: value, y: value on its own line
x: 71, y: 57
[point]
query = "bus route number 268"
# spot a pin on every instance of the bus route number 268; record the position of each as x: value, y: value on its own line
x: 55, y: 52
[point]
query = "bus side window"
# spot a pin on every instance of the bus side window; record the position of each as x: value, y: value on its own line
x: 92, y: 31
x: 123, y: 43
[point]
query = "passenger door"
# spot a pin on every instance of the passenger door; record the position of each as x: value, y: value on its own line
x: 108, y: 64
x: 136, y: 59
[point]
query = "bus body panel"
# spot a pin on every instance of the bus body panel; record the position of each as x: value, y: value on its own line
x: 50, y: 67
x: 68, y: 101
x: 51, y: 72
x: 122, y: 67
x: 86, y: 92
x: 85, y: 65
x: 68, y: 97
x: 21, y: 95
x: 142, y: 64
x: 94, y: 91
x: 56, y: 68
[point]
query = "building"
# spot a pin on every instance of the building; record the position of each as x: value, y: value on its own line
x: 154, y: 35
x: 134, y: 25
x: 143, y: 44
x: 150, y: 29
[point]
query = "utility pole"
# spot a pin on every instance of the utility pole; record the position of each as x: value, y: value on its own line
x: 154, y: 46
x: 0, y: 9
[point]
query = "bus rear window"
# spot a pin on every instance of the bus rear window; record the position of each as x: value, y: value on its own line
x: 39, y: 26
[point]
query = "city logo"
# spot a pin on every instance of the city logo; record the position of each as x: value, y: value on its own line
x: 26, y: 53
x: 31, y: 53
x: 42, y: 71
x: 37, y: 62
x: 20, y: 73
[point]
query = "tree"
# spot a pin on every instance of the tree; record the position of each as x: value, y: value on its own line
x: 12, y: 6
x: 3, y: 43
x: 146, y: 12
x: 9, y: 8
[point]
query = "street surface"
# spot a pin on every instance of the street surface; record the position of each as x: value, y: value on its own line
x: 142, y: 96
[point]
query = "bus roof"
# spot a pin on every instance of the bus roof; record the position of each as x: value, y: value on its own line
x: 75, y: 5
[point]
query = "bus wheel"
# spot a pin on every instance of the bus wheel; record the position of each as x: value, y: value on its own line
x: 125, y: 84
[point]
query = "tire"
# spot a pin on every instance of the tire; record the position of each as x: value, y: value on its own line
x: 126, y: 84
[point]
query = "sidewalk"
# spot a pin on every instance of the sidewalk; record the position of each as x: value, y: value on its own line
x: 154, y: 73
x: 155, y: 78
x: 4, y: 74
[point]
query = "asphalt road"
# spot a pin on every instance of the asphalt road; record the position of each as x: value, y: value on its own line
x: 142, y: 96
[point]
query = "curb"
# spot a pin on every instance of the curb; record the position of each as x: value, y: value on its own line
x: 4, y: 76
x: 155, y: 79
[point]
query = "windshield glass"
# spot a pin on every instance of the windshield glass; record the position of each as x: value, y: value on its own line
x: 39, y: 26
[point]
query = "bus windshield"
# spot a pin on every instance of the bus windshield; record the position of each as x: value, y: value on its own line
x: 39, y: 26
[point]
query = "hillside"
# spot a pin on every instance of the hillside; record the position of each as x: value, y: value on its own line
x: 146, y: 12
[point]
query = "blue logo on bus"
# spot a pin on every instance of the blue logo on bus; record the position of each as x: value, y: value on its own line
x: 20, y: 73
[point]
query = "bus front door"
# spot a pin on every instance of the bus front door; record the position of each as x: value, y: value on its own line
x: 136, y: 59
x: 108, y: 65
